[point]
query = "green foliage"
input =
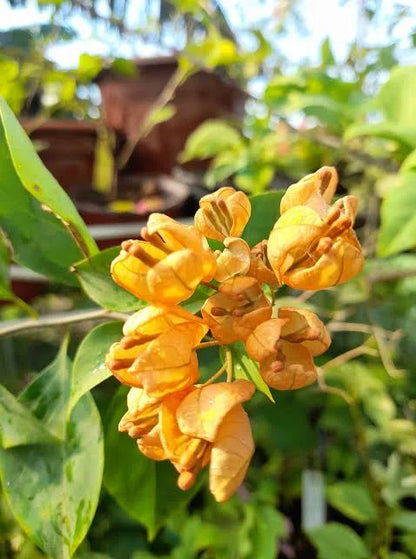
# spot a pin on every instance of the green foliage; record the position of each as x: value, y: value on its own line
x: 353, y: 500
x: 265, y: 212
x: 398, y: 221
x: 247, y: 369
x: 336, y: 540
x: 51, y: 467
x: 89, y: 368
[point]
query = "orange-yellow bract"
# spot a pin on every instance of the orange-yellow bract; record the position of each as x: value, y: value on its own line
x: 167, y: 265
x: 285, y: 346
x: 239, y: 306
x: 234, y: 260
x: 157, y: 351
x: 224, y: 213
x: 312, y: 245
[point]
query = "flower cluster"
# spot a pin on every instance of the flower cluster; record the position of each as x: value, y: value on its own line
x: 173, y: 416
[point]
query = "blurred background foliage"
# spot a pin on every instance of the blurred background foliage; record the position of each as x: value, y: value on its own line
x: 334, y: 474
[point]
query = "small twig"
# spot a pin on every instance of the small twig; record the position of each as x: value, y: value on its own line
x: 348, y: 355
x: 217, y: 375
x: 177, y: 78
x: 60, y: 320
x: 390, y: 275
x: 384, y: 353
x: 331, y: 389
x: 229, y: 364
x: 335, y: 326
x: 212, y: 343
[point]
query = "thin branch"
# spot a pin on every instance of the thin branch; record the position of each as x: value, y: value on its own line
x: 203, y: 345
x: 60, y: 320
x: 177, y: 78
x: 348, y: 355
x: 335, y: 326
x: 332, y: 389
x: 216, y: 375
x: 229, y: 364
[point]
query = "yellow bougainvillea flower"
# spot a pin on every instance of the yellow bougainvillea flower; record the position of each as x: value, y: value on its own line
x: 285, y: 347
x: 158, y: 341
x: 307, y: 251
x: 239, y: 306
x: 234, y: 260
x: 209, y: 425
x: 167, y: 265
x: 260, y: 268
x: 142, y: 413
x: 161, y: 365
x: 315, y: 191
x: 152, y: 321
x: 223, y: 214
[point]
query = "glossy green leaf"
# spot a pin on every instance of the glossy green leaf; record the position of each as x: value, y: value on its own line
x: 89, y: 369
x: 53, y: 490
x: 405, y: 520
x: 40, y: 241
x: 95, y: 278
x: 209, y: 139
x: 6, y: 293
x: 269, y: 526
x: 246, y: 368
x: 398, y: 218
x: 353, y: 500
x: 336, y: 540
x: 47, y: 395
x: 37, y: 180
x: 145, y: 489
x: 400, y: 132
x: 18, y: 426
x: 197, y: 299
x: 265, y: 211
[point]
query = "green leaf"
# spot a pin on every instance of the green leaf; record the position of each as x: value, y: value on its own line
x: 327, y: 57
x: 353, y: 500
x: 47, y: 395
x: 398, y: 218
x: 195, y: 301
x: 335, y: 540
x: 246, y: 368
x: 210, y: 138
x: 265, y: 211
x: 161, y: 114
x: 405, y: 521
x: 88, y: 67
x: 18, y: 426
x: 145, y: 489
x: 6, y: 293
x: 399, y: 132
x: 269, y: 527
x: 89, y: 368
x: 409, y: 164
x: 53, y: 490
x: 40, y: 241
x: 95, y: 278
x: 38, y: 181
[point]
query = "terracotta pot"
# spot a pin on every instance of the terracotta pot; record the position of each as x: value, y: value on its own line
x: 67, y: 150
x: 126, y: 101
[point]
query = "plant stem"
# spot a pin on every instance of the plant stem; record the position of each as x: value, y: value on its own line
x: 217, y: 375
x: 60, y: 320
x: 177, y: 78
x: 229, y: 364
x: 203, y: 345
